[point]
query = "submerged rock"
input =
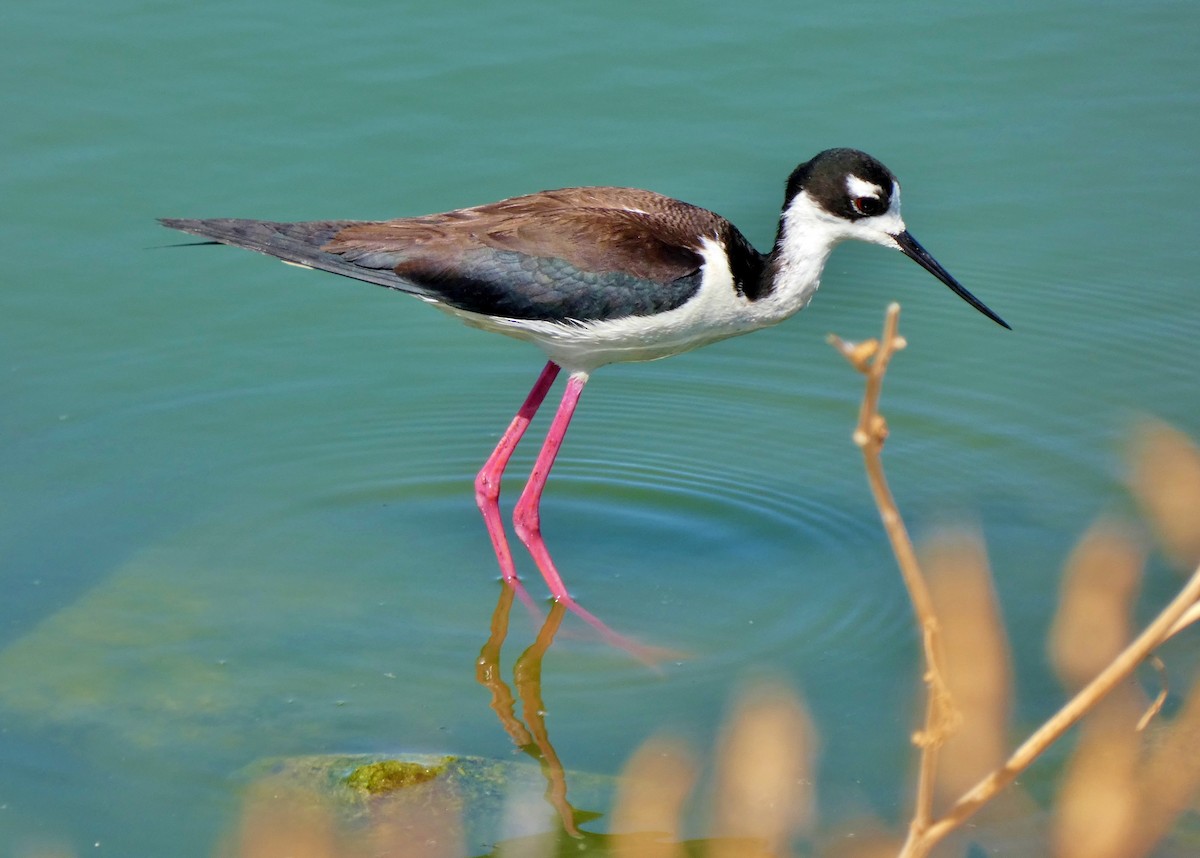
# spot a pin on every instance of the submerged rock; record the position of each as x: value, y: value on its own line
x: 482, y: 802
x: 386, y: 776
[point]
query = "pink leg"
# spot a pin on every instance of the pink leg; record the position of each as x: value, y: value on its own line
x: 526, y: 516
x: 487, y: 482
x: 526, y: 519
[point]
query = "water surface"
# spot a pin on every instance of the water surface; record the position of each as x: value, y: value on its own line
x: 237, y: 511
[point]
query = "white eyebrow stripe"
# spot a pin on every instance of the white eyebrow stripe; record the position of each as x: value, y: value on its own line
x: 857, y: 187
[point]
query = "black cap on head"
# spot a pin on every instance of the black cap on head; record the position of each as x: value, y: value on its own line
x: 824, y: 178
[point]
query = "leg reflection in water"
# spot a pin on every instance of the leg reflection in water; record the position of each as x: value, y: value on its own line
x: 533, y: 739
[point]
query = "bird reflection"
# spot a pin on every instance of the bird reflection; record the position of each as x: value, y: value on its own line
x: 527, y: 732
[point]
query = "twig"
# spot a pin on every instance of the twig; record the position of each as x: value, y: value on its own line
x: 1190, y: 616
x: 1160, y: 699
x: 1120, y: 668
x: 871, y: 358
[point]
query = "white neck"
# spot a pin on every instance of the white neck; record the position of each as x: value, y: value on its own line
x: 807, y: 235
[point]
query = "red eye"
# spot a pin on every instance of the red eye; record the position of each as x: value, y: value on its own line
x: 867, y: 206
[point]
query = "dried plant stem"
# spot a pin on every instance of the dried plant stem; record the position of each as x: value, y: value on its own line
x: 1189, y: 616
x: 1160, y: 699
x: 1120, y: 668
x: 871, y: 359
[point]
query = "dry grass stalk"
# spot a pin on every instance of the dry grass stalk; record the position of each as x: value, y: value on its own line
x: 764, y: 773
x: 280, y: 821
x: 1095, y: 615
x: 655, y: 786
x: 1096, y: 812
x: 977, y: 669
x: 1085, y: 700
x: 872, y: 359
x: 1169, y: 778
x: 1174, y: 517
x: 1164, y: 475
x: 1100, y: 807
x: 1121, y: 795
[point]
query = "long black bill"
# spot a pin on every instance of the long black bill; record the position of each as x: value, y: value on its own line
x: 913, y: 250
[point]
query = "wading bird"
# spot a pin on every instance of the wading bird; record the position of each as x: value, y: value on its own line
x: 596, y: 276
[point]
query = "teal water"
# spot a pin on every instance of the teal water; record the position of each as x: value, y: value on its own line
x: 237, y: 518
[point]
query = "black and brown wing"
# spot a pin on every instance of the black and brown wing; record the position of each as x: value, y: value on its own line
x: 573, y: 254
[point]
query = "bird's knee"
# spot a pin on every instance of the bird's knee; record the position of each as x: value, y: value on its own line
x: 487, y: 489
x: 527, y: 523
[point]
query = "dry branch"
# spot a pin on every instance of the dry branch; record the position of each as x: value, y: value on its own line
x: 871, y: 358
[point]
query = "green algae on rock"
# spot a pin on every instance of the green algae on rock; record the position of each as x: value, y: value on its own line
x: 387, y: 776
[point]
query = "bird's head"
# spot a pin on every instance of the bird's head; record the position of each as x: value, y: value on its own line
x: 846, y: 194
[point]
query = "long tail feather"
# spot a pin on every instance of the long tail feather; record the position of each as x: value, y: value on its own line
x: 299, y: 243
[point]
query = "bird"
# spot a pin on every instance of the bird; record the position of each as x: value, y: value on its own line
x: 594, y: 276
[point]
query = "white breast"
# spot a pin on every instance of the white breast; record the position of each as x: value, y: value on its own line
x: 714, y: 313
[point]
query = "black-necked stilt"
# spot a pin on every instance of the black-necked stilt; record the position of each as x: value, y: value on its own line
x: 596, y: 276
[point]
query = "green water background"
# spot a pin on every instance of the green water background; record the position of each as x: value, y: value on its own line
x: 236, y: 517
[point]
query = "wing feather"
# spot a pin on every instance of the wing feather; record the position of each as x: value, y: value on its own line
x: 570, y: 254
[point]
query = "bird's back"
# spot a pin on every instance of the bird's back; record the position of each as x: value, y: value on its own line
x: 580, y: 254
